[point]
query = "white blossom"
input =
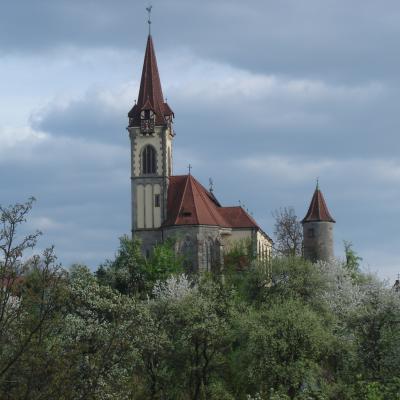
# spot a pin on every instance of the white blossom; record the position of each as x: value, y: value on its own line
x: 342, y: 294
x: 174, y: 288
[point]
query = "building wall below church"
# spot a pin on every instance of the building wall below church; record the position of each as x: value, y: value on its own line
x: 261, y: 244
x: 203, y: 246
x: 264, y: 246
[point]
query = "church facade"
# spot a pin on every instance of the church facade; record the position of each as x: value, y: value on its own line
x: 178, y: 206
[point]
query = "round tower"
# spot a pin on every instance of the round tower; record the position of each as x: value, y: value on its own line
x: 318, y: 230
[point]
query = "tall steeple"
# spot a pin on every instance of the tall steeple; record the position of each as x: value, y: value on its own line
x: 318, y: 229
x: 151, y: 98
x: 151, y: 134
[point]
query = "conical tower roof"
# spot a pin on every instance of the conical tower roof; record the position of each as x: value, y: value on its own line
x: 150, y: 92
x: 318, y: 210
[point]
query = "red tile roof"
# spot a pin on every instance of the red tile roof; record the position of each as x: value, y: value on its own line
x: 238, y: 218
x: 189, y: 203
x: 318, y: 210
x: 150, y: 93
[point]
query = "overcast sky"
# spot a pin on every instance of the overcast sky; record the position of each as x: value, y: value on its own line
x: 268, y: 96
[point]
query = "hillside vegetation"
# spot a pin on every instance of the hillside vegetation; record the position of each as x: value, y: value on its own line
x: 141, y: 329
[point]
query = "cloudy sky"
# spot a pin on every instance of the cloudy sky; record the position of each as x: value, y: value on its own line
x: 268, y: 96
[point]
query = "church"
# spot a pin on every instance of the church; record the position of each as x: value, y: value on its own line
x: 166, y: 206
x: 178, y: 206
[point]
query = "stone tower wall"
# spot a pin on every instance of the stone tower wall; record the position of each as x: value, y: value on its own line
x: 149, y: 239
x: 200, y: 245
x: 318, y: 240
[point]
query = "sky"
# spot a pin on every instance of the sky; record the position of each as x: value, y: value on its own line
x: 268, y: 96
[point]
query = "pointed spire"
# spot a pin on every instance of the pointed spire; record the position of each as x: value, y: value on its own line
x: 150, y: 92
x: 150, y: 85
x: 318, y: 210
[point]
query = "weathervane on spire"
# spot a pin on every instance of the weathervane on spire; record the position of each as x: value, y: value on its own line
x: 148, y: 9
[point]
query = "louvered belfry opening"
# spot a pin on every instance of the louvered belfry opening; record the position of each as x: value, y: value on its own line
x: 149, y: 160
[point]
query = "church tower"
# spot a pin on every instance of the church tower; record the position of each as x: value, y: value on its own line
x: 151, y: 135
x: 318, y: 230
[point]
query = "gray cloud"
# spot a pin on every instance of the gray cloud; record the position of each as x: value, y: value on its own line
x: 89, y: 117
x: 81, y: 190
x: 332, y: 39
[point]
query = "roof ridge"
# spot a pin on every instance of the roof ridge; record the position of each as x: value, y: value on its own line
x: 199, y: 191
x: 202, y: 192
x: 182, y: 198
x: 194, y: 198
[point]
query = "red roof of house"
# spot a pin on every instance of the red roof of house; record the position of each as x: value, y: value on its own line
x: 150, y: 92
x: 318, y: 210
x: 189, y: 203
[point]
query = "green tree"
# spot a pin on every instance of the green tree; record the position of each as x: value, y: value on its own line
x: 376, y: 326
x: 286, y: 346
x: 353, y: 260
x: 198, y: 324
x: 97, y: 340
x: 133, y: 274
x: 31, y: 296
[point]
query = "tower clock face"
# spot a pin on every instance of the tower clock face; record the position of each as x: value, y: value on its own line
x: 147, y: 121
x: 147, y: 126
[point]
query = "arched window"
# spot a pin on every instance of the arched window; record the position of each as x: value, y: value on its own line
x: 149, y: 160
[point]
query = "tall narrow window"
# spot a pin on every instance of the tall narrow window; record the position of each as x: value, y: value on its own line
x: 149, y: 160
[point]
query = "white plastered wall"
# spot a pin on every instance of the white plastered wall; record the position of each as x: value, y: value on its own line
x: 263, y: 245
x: 148, y: 216
x: 235, y: 237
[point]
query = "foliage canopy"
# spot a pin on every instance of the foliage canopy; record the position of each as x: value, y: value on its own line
x: 140, y: 328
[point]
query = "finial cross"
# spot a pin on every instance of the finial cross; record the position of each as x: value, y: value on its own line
x: 148, y: 9
x: 190, y: 168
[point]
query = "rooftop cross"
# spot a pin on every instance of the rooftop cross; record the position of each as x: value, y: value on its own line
x: 190, y: 168
x: 148, y: 9
x: 317, y: 182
